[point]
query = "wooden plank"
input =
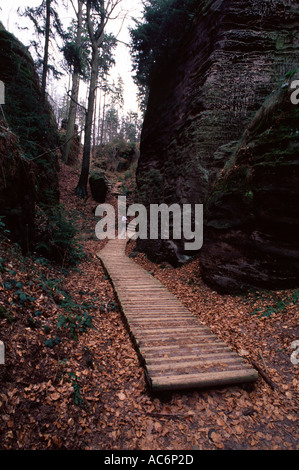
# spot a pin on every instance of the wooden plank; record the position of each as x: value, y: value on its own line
x: 203, y: 357
x: 154, y: 344
x: 178, y: 329
x: 143, y: 308
x: 178, y: 351
x: 193, y: 363
x: 143, y: 314
x: 191, y: 381
x: 194, y: 346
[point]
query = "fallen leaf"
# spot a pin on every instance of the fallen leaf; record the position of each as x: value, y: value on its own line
x: 121, y: 396
x: 55, y: 396
x: 216, y: 438
x: 157, y: 426
x: 239, y: 429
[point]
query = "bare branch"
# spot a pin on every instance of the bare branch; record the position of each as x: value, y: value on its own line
x: 76, y: 102
x: 74, y: 7
x: 122, y: 23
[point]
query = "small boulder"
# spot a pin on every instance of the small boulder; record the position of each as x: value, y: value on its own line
x: 98, y: 187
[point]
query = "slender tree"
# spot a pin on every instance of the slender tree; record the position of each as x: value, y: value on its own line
x: 155, y: 39
x: 47, y: 24
x: 105, y: 63
x: 46, y: 48
x: 130, y: 127
x: 98, y: 13
x: 72, y: 52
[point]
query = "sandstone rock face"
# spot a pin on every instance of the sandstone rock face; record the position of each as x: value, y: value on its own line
x: 28, y: 161
x: 252, y: 216
x: 17, y: 193
x: 30, y: 118
x: 234, y: 57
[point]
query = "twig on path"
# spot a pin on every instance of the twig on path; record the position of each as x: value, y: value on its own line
x: 263, y: 374
x: 261, y: 356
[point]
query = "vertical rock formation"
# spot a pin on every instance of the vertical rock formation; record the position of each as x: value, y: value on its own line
x: 29, y: 136
x: 17, y: 193
x: 234, y: 57
x: 29, y: 116
x: 252, y: 216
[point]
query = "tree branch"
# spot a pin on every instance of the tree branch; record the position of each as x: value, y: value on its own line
x: 263, y: 374
x: 74, y: 101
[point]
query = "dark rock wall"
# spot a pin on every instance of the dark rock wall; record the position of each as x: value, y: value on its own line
x: 252, y: 216
x: 28, y: 115
x: 200, y: 105
x: 29, y: 136
x: 17, y: 193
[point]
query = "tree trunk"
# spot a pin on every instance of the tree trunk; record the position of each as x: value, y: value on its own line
x: 94, y: 124
x: 103, y: 120
x: 96, y: 40
x: 74, y: 95
x: 71, y: 119
x: 81, y: 189
x: 46, y: 49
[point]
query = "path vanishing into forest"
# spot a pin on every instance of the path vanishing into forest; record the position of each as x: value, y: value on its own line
x: 176, y: 350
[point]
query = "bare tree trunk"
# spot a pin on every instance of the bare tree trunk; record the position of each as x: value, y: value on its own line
x: 81, y: 189
x: 99, y: 119
x: 103, y: 119
x: 94, y: 124
x: 74, y: 95
x: 96, y: 40
x: 46, y: 49
x: 71, y: 119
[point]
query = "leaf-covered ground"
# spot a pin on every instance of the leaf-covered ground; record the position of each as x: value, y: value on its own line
x: 72, y: 379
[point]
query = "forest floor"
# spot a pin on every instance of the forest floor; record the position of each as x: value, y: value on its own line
x: 72, y: 378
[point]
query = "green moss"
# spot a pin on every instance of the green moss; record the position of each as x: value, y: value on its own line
x: 150, y: 187
x: 31, y: 120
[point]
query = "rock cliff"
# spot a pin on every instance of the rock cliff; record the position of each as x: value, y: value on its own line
x: 29, y: 136
x: 236, y: 54
x: 252, y: 216
x: 28, y: 115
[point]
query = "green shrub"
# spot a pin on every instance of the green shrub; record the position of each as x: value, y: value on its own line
x: 78, y: 399
x: 3, y: 230
x: 56, y: 240
x: 76, y: 323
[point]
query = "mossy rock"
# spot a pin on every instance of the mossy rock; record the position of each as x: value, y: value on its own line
x: 123, y: 165
x: 252, y: 215
x: 98, y: 186
x: 29, y: 116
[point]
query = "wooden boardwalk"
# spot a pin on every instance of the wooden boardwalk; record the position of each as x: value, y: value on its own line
x: 176, y: 349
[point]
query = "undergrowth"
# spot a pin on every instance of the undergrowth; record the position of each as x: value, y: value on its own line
x: 273, y: 302
x: 56, y: 238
